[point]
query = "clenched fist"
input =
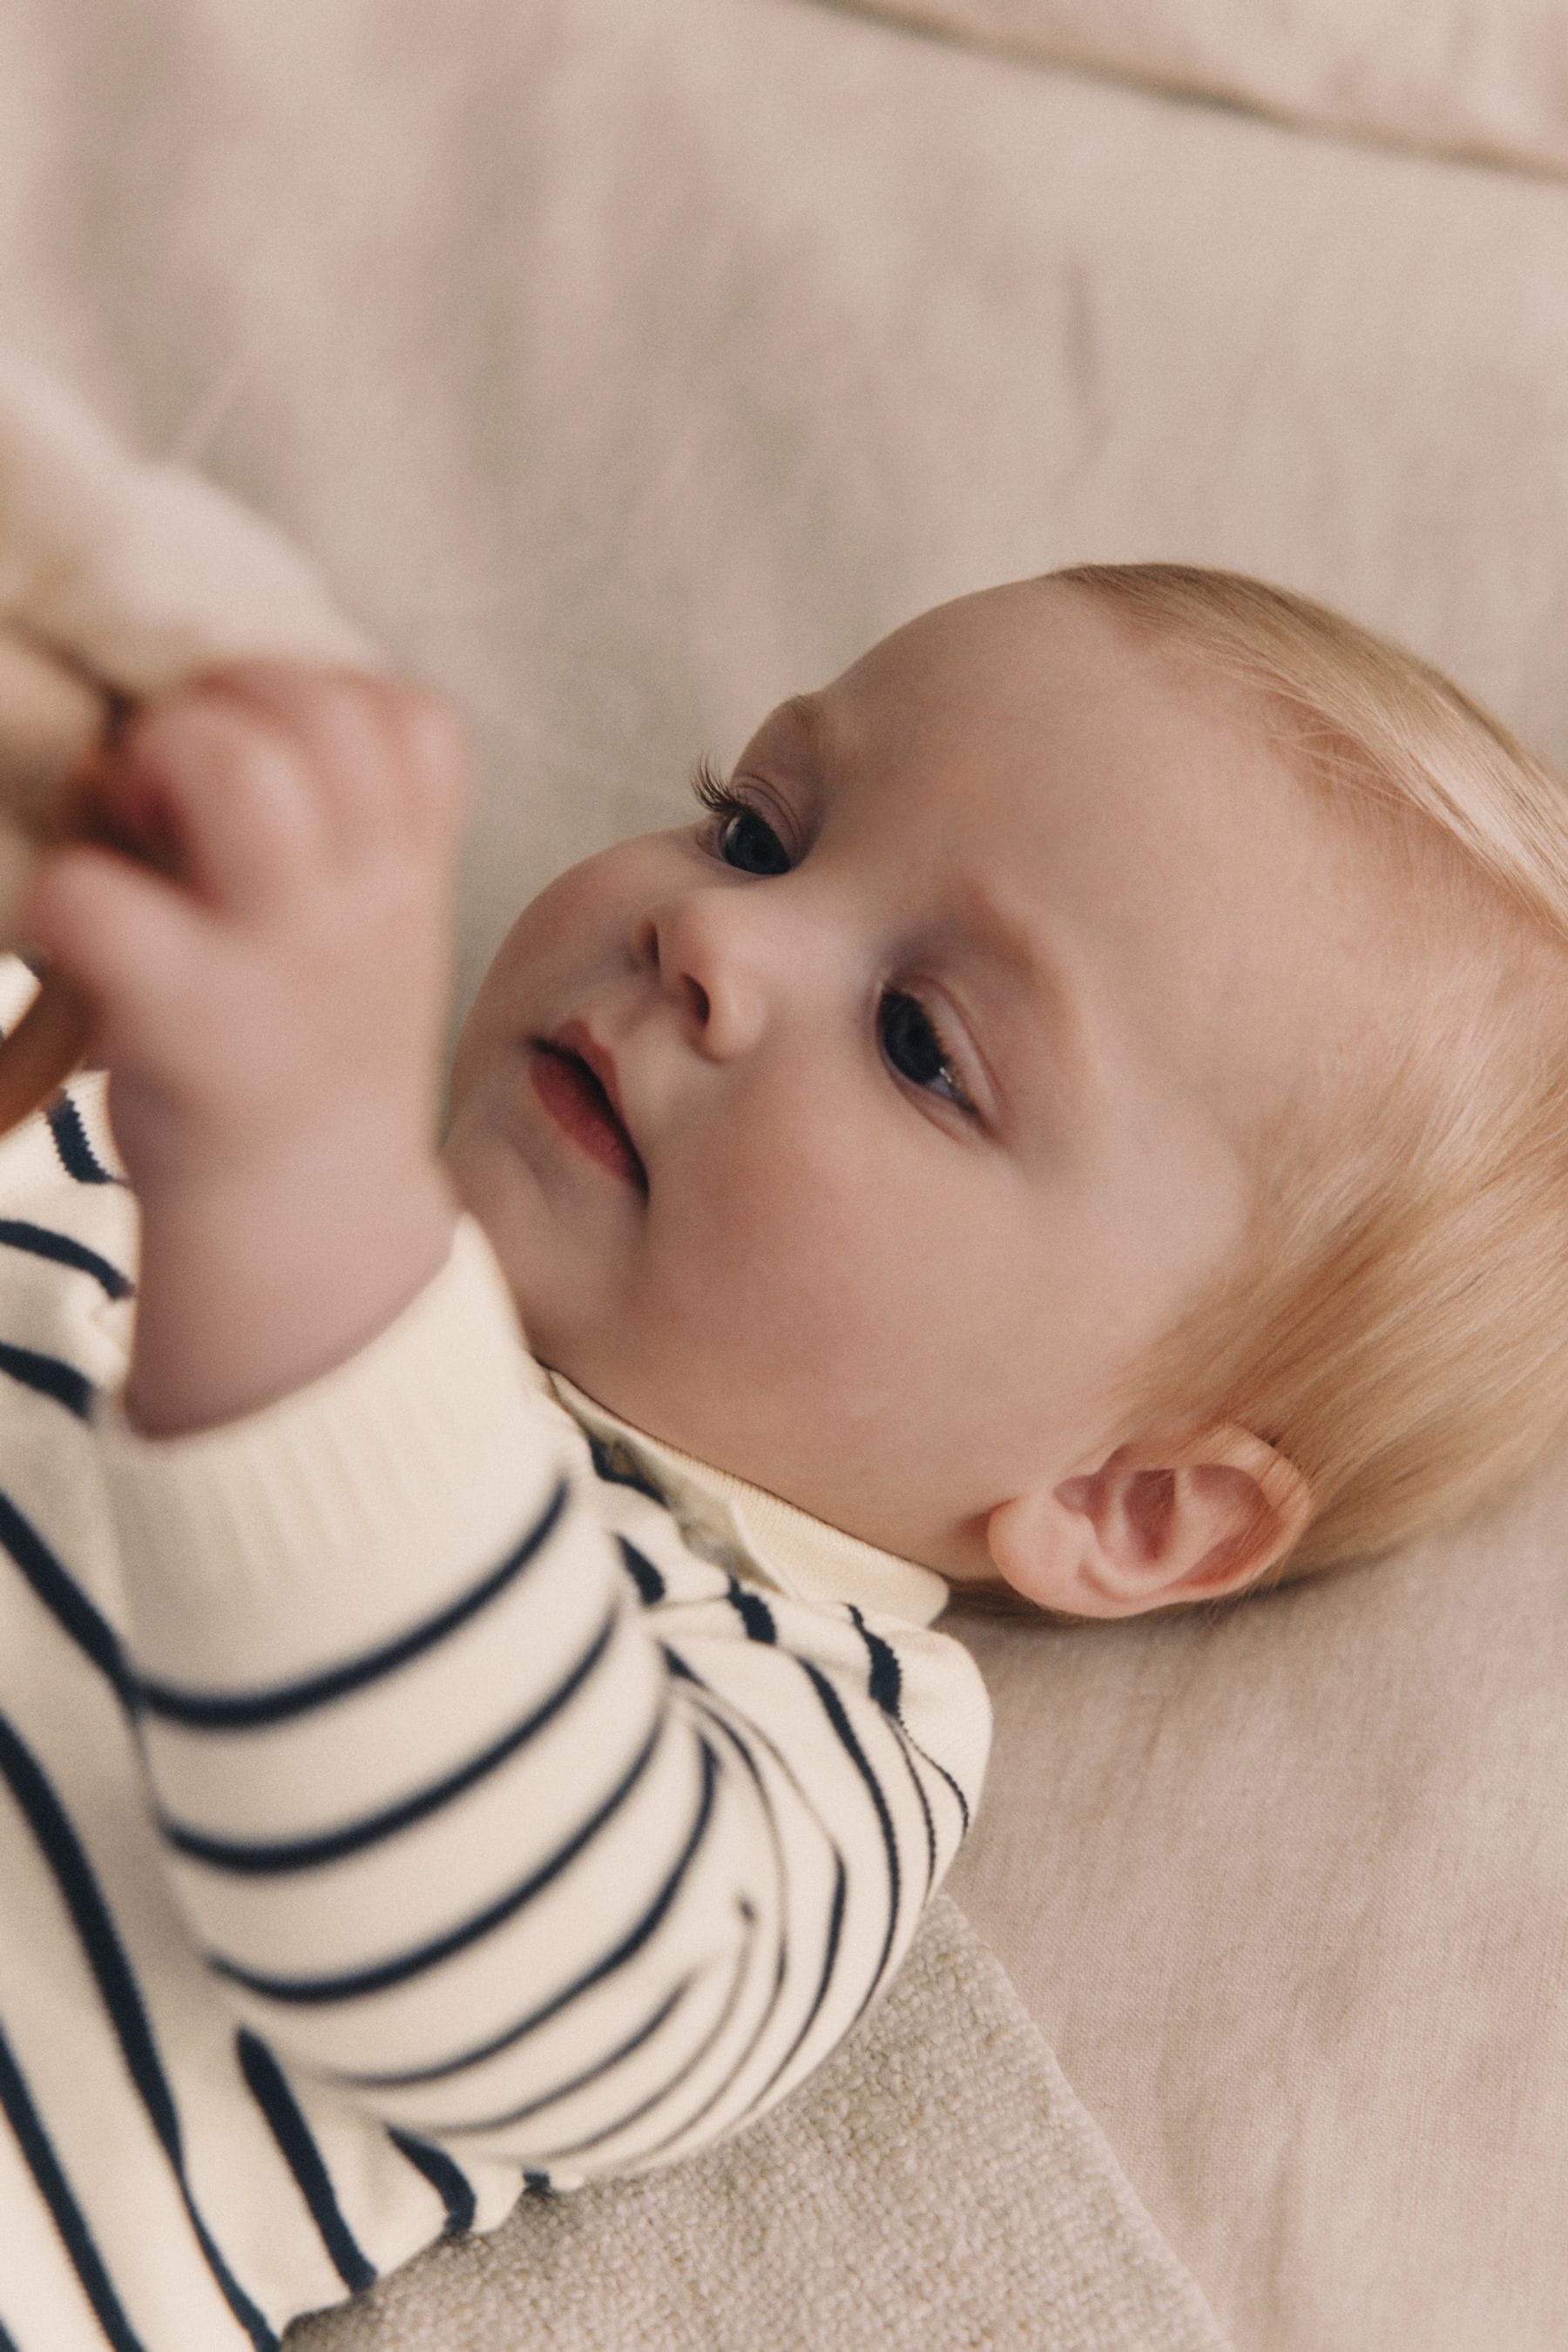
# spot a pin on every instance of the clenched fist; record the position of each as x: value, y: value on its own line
x: 261, y: 927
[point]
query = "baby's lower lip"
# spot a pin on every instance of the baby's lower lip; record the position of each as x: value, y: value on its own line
x: 581, y: 1109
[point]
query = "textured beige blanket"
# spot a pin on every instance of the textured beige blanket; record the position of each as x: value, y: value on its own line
x: 937, y: 2185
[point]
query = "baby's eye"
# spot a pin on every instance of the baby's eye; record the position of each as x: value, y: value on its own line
x: 912, y: 1044
x: 739, y: 834
x: 748, y: 842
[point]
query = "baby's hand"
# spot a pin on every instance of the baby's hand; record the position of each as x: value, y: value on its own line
x: 293, y: 968
x: 267, y: 978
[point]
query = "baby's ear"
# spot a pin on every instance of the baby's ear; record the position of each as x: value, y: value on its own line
x: 1161, y: 1521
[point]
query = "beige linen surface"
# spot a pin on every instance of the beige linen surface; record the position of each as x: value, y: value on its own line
x: 1320, y: 1973
x: 625, y: 369
x: 1482, y: 78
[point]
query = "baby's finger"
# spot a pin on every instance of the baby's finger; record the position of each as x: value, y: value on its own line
x: 435, y: 751
x: 384, y: 756
x: 140, y: 954
x: 217, y: 797
x: 42, y: 1050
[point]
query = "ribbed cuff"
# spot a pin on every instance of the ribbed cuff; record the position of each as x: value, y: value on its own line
x: 346, y: 1510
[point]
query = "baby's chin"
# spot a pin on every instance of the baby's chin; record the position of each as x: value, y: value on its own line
x: 659, y: 1380
x: 655, y: 1410
x: 632, y: 1394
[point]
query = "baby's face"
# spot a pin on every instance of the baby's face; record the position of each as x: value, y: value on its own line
x: 938, y: 1050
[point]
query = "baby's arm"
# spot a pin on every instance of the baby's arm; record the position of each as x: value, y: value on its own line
x: 492, y: 1806
x: 269, y: 1008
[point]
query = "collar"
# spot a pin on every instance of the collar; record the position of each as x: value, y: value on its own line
x: 721, y: 1516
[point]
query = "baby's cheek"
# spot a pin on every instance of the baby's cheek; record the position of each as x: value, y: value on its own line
x: 815, y: 1273
x: 546, y: 933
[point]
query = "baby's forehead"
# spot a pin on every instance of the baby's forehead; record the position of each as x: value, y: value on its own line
x: 1041, y: 714
x: 1034, y: 658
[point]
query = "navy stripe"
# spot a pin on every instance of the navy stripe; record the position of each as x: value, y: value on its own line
x: 650, y: 1582
x: 886, y: 1689
x: 840, y: 1874
x: 829, y: 1962
x: 753, y: 1611
x: 885, y: 1684
x: 77, y: 1157
x: 688, y: 2066
x: 64, y: 2211
x: 737, y: 2071
x: 886, y: 1681
x: 260, y: 1860
x: 624, y: 1951
x: 714, y: 1717
x: 90, y: 1916
x: 265, y: 2080
x: 8, y: 2341
x: 833, y: 1706
x: 840, y: 1881
x: 49, y: 1377
x: 940, y: 1768
x: 311, y: 1991
x: 615, y: 1464
x: 782, y: 1947
x: 69, y: 1606
x: 593, y: 2074
x: 711, y: 1709
x: 449, y: 2179
x: 121, y: 1998
x: 43, y: 1243
x: 246, y: 1710
x: 925, y: 1813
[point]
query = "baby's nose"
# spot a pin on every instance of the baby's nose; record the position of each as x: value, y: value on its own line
x: 709, y: 969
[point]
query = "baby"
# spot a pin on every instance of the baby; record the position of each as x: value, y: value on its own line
x: 1078, y: 1116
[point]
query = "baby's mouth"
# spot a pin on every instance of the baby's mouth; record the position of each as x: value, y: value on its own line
x: 578, y: 1102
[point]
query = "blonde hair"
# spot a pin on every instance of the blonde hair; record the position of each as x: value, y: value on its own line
x: 1398, y: 1323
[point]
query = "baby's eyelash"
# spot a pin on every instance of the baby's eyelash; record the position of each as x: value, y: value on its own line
x: 738, y: 833
x: 711, y: 789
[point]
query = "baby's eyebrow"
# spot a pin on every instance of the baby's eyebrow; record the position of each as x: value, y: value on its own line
x: 798, y: 725
x: 804, y: 712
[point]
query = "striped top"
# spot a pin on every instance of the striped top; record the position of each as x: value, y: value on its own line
x: 415, y: 1792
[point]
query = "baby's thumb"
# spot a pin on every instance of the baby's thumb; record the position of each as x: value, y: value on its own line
x: 42, y: 1050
